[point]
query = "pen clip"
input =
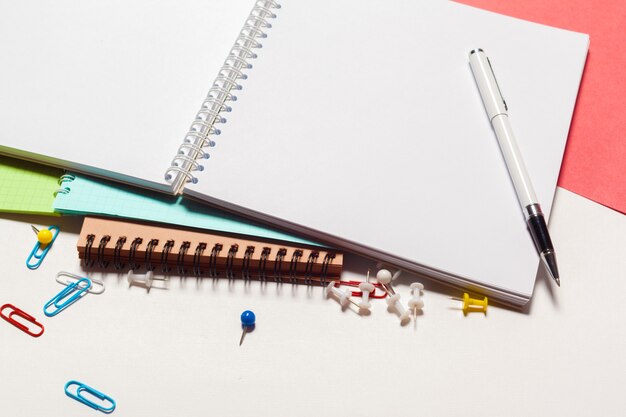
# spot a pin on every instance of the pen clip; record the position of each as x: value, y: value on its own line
x: 497, y: 84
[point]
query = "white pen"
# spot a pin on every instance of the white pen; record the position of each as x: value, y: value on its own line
x: 497, y: 111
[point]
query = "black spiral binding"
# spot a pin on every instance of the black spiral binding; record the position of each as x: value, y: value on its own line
x: 262, y: 271
x: 245, y: 269
x: 265, y: 253
x: 180, y: 259
x: 293, y: 265
x: 87, y: 255
x: 229, y: 261
x: 149, y: 252
x: 278, y: 265
x: 197, y: 256
x: 309, y: 267
x: 213, y: 260
x: 167, y: 248
x: 132, y: 264
x: 325, y: 264
x: 117, y: 255
x: 102, y: 263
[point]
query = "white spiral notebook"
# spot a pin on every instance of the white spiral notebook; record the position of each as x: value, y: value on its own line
x: 357, y: 123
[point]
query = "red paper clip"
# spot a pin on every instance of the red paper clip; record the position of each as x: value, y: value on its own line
x: 19, y: 313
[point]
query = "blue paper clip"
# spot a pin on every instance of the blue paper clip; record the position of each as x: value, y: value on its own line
x: 41, y: 249
x: 67, y: 297
x: 82, y: 388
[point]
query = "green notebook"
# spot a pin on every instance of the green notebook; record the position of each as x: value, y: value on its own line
x: 83, y: 195
x: 26, y: 187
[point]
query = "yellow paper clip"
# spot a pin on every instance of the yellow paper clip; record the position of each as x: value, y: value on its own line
x: 474, y: 305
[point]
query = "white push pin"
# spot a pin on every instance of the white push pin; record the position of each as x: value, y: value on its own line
x: 142, y: 280
x: 416, y: 302
x: 385, y: 277
x: 393, y: 301
x: 366, y: 288
x: 342, y: 295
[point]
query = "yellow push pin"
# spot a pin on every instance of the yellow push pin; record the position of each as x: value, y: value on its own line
x: 473, y: 305
x: 43, y: 236
x: 45, y: 239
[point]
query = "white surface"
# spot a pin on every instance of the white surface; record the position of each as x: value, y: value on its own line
x: 364, y: 125
x: 113, y: 85
x: 175, y: 352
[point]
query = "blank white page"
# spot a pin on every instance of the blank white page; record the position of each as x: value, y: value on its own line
x: 109, y: 87
x: 361, y: 125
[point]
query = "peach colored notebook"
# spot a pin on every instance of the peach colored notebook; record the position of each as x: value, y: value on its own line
x: 121, y: 245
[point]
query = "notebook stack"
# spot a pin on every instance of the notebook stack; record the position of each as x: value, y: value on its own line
x: 354, y: 124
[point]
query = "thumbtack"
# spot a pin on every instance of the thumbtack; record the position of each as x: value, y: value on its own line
x: 385, y: 277
x: 394, y: 302
x: 416, y: 302
x: 143, y: 280
x: 471, y: 305
x: 366, y: 288
x: 43, y: 236
x: 342, y: 295
x: 45, y: 239
x: 248, y: 320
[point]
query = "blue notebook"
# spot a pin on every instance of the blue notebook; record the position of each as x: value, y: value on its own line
x: 82, y: 195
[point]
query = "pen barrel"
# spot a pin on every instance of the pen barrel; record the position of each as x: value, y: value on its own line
x: 487, y: 84
x: 539, y: 229
x: 514, y: 161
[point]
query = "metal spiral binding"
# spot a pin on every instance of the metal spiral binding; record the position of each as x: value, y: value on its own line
x: 132, y: 264
x: 293, y: 265
x: 310, y: 262
x: 325, y: 264
x: 197, y: 256
x: 180, y: 259
x: 245, y: 270
x: 103, y: 243
x: 278, y: 265
x: 199, y: 135
x: 167, y: 248
x: 265, y: 253
x: 148, y: 255
x: 88, y: 246
x: 229, y: 261
x: 117, y: 253
x: 213, y: 260
x: 63, y: 179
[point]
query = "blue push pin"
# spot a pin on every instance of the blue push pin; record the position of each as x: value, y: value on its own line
x: 247, y: 322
